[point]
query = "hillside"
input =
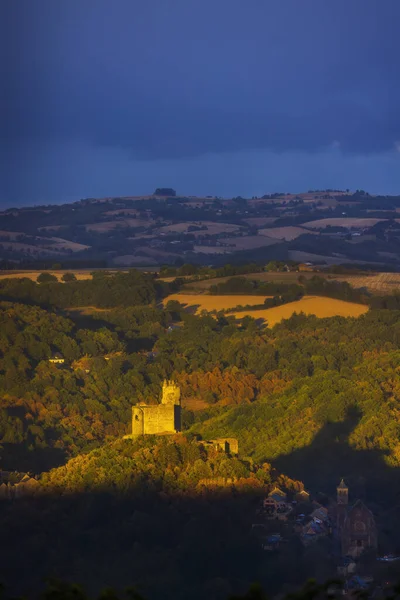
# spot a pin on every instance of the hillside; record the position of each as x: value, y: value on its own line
x: 120, y: 354
x: 142, y: 512
x: 309, y: 400
x: 323, y: 227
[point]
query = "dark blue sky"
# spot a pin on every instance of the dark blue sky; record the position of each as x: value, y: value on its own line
x: 226, y: 97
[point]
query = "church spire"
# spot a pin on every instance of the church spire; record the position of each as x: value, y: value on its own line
x: 342, y: 493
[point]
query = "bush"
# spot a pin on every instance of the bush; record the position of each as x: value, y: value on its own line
x: 68, y: 277
x: 47, y: 278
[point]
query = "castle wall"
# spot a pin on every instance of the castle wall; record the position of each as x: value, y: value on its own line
x: 161, y: 418
x: 137, y: 420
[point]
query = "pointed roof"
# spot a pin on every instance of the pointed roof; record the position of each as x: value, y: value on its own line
x: 342, y: 485
x: 359, y: 504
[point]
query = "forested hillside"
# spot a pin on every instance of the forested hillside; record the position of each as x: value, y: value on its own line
x: 298, y: 376
x: 137, y: 513
x: 103, y: 290
x: 310, y: 401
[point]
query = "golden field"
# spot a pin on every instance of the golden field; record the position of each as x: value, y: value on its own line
x: 35, y: 274
x: 205, y: 302
x: 310, y: 305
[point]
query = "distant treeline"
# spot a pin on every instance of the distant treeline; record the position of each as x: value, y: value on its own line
x: 103, y: 290
x: 202, y: 272
x: 49, y: 264
x: 242, y: 285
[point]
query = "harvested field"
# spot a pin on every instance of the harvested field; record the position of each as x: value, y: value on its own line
x: 205, y: 302
x: 285, y: 233
x: 310, y: 305
x: 105, y: 226
x: 248, y: 242
x: 343, y: 222
x: 162, y: 255
x: 31, y: 250
x: 212, y: 228
x: 40, y: 245
x: 12, y: 235
x: 300, y: 256
x: 51, y: 227
x: 377, y: 283
x: 213, y: 250
x: 61, y: 244
x: 122, y: 211
x: 128, y: 260
x: 260, y: 221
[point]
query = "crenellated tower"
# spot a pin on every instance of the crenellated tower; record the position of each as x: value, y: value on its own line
x: 159, y: 418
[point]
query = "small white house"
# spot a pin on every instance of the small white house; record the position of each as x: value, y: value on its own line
x: 57, y: 359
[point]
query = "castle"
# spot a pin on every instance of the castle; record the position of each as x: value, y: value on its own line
x: 355, y: 525
x: 159, y: 418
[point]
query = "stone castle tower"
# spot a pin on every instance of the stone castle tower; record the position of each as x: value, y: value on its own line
x: 159, y: 418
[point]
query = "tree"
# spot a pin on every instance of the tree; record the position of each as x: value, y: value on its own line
x: 47, y: 278
x: 68, y: 277
x: 164, y: 192
x: 272, y: 266
x: 174, y: 306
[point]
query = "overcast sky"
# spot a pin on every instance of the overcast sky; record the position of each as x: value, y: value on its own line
x: 226, y: 97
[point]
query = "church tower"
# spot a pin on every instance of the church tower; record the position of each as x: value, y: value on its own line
x: 342, y: 493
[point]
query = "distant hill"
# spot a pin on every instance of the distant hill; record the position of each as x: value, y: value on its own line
x: 323, y: 227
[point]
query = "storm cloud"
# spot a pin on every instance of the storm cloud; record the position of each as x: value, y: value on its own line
x: 161, y: 86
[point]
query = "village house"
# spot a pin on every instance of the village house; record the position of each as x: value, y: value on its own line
x: 302, y: 496
x: 112, y: 355
x: 276, y: 505
x: 17, y: 485
x: 57, y: 359
x: 317, y: 525
x: 312, y: 531
x: 268, y: 541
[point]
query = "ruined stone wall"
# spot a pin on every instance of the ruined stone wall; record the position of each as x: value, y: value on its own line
x: 229, y: 445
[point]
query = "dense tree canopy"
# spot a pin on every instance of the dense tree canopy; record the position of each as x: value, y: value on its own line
x: 103, y: 290
x: 312, y: 399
